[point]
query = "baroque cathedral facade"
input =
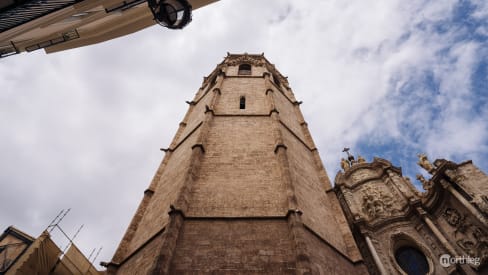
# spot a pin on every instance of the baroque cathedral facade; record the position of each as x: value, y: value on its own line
x: 242, y: 190
x: 400, y: 230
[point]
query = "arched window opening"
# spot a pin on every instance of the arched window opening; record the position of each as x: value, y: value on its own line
x: 242, y: 103
x: 244, y: 69
x: 411, y: 260
x: 276, y: 80
x: 213, y: 81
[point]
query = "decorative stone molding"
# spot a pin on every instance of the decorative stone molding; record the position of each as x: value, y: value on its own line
x: 455, y: 176
x: 481, y: 203
x: 274, y: 110
x: 473, y: 240
x: 382, y: 204
x: 278, y: 146
x: 247, y: 59
x: 282, y: 79
x: 363, y: 174
x: 455, y: 219
x: 208, y: 109
x: 198, y: 145
x: 375, y: 203
x: 475, y: 244
x: 400, y: 239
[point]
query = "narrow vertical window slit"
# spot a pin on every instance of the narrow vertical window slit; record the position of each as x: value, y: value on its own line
x: 242, y: 102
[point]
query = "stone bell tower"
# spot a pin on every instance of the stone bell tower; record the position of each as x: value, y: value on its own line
x: 241, y: 188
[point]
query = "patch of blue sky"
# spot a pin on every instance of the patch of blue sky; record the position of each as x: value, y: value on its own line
x: 460, y: 25
x: 463, y: 16
x: 465, y: 24
x: 394, y: 150
x: 417, y: 96
x: 479, y: 86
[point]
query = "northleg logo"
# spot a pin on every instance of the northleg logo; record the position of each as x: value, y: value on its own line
x: 447, y: 260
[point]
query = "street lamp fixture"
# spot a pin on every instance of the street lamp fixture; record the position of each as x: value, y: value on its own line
x: 172, y: 14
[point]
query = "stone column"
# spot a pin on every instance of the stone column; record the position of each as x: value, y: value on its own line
x: 375, y: 255
x: 439, y: 236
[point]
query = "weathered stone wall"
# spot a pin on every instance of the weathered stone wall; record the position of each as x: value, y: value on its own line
x: 312, y: 200
x: 165, y: 193
x: 234, y: 246
x: 239, y: 174
x: 195, y: 116
x: 143, y: 261
x: 472, y: 179
x: 287, y: 115
x: 325, y: 259
x: 251, y: 88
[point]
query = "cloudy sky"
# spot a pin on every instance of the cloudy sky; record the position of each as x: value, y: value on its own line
x: 82, y: 129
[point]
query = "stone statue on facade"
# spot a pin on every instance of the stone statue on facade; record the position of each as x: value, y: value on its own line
x: 350, y: 159
x: 361, y: 159
x: 345, y: 164
x: 425, y: 183
x: 425, y: 163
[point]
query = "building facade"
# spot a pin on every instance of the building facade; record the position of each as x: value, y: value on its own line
x: 13, y: 243
x: 22, y: 254
x: 241, y: 189
x: 400, y: 230
x: 57, y: 25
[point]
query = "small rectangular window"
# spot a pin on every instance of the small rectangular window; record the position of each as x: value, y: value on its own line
x: 242, y: 103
